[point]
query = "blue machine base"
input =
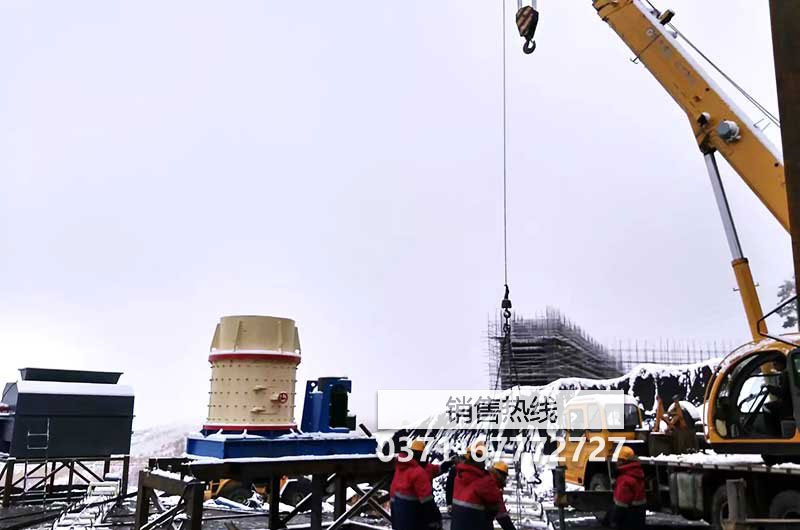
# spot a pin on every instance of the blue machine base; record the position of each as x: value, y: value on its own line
x: 316, y: 444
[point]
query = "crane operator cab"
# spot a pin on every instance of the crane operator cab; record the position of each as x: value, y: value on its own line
x: 754, y: 402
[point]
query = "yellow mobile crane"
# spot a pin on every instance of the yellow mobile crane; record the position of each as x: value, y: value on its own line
x: 753, y: 399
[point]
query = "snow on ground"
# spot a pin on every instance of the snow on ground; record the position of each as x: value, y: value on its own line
x: 709, y: 457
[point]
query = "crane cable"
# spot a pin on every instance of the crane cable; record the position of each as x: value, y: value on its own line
x: 505, y: 304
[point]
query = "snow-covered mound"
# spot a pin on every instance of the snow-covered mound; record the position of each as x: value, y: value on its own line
x: 161, y: 441
x: 647, y: 382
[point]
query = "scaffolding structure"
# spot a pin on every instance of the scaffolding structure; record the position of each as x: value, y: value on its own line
x: 544, y: 349
x: 668, y: 352
x: 550, y: 346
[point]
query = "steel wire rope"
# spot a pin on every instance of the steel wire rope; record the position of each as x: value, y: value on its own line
x: 771, y: 117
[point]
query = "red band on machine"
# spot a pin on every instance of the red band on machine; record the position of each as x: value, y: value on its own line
x: 254, y: 357
x: 249, y: 427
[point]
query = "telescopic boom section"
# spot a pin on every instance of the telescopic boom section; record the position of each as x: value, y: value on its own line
x: 718, y: 124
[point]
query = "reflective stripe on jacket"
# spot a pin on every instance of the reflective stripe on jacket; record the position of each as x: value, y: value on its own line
x: 476, y: 498
x: 413, y: 507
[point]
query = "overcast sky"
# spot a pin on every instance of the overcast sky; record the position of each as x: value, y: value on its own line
x: 340, y: 163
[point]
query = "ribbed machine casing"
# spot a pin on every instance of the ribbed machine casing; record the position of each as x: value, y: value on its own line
x: 253, y: 374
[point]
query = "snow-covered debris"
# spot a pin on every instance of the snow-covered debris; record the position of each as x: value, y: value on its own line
x: 646, y: 383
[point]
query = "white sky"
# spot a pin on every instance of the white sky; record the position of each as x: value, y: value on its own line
x: 167, y: 163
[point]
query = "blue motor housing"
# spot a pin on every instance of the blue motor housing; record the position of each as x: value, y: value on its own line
x: 325, y: 408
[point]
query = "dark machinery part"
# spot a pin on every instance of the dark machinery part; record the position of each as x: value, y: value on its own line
x: 527, y: 20
x: 66, y: 414
x: 785, y: 17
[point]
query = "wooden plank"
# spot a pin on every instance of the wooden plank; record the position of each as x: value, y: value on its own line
x: 142, y: 502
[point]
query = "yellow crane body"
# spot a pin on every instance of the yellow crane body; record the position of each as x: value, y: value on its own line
x: 753, y: 400
x: 719, y: 126
x: 749, y: 152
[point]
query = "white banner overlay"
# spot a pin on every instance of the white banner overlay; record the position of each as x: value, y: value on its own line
x: 525, y: 408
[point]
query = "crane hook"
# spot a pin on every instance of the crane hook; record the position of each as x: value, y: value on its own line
x: 528, y: 47
x: 527, y: 20
x: 505, y: 305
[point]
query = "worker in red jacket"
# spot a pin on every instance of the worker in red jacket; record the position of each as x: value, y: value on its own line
x: 500, y: 473
x: 411, y: 493
x: 630, y: 495
x: 433, y: 470
x: 476, y: 497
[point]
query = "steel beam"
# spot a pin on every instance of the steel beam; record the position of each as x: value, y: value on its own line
x: 785, y: 16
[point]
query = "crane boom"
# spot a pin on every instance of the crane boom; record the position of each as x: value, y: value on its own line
x: 718, y: 124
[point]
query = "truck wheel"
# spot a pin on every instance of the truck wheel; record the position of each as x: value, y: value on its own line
x: 295, y: 491
x: 236, y: 492
x: 600, y: 482
x: 785, y: 505
x: 719, y: 507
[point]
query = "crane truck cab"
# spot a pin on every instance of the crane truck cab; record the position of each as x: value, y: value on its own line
x: 753, y: 400
x: 587, y: 451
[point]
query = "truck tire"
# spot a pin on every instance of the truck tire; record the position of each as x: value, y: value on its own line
x: 719, y: 507
x: 236, y: 492
x: 785, y: 505
x: 600, y: 482
x: 295, y: 491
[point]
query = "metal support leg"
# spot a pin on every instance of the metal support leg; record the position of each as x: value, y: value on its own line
x: 275, y: 503
x: 340, y: 496
x: 70, y: 480
x: 303, y: 504
x: 126, y: 466
x: 194, y: 507
x: 317, y: 494
x: 9, y: 482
